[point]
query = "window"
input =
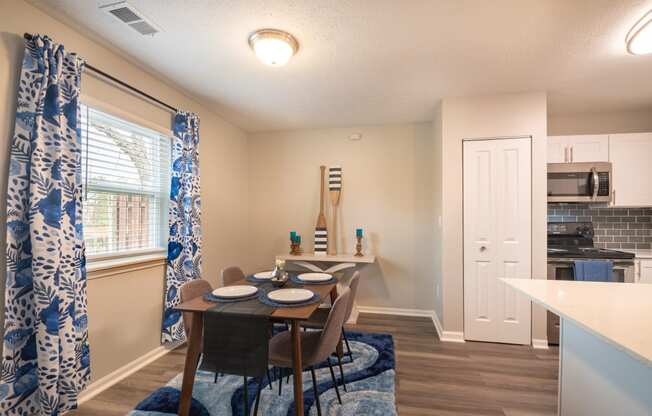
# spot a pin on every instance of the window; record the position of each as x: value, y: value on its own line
x: 126, y: 176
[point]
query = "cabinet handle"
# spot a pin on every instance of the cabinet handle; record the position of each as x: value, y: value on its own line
x: 565, y: 154
x: 571, y: 152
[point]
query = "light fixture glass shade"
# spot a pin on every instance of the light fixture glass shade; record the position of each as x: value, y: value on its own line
x: 273, y: 47
x: 639, y: 38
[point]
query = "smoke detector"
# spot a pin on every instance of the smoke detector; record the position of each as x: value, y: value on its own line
x: 129, y: 15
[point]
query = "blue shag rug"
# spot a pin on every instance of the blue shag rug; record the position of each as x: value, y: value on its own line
x: 369, y: 380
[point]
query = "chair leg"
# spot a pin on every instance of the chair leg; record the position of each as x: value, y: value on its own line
x: 280, y: 380
x: 287, y: 379
x: 337, y: 390
x: 260, y: 387
x: 314, y: 388
x: 269, y: 378
x: 246, y: 397
x: 216, y: 376
x: 348, y: 347
x: 339, y: 362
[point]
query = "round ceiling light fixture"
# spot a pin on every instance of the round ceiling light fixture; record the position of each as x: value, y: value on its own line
x: 273, y: 47
x: 639, y: 37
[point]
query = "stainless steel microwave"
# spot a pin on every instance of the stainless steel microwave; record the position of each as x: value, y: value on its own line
x: 579, y: 182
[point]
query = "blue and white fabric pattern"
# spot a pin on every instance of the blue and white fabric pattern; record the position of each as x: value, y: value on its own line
x: 45, y: 361
x: 184, y: 243
x: 370, y: 381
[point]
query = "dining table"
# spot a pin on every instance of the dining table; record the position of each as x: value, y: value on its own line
x: 293, y: 315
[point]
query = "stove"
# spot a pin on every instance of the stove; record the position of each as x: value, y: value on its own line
x: 575, y: 240
x: 570, y: 241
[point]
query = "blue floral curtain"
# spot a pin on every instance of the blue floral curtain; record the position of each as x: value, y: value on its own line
x: 46, y: 359
x: 184, y: 244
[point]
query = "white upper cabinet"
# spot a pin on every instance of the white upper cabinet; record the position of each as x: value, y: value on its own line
x: 583, y: 148
x: 557, y: 149
x: 631, y: 163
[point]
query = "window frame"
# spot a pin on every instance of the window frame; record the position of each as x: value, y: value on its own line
x: 120, y: 258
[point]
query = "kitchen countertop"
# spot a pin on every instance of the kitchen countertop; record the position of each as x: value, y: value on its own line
x: 619, y: 313
x: 640, y: 254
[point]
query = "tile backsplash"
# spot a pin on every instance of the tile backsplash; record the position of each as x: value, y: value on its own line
x: 615, y: 228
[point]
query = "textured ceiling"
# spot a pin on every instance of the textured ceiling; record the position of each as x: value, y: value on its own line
x: 384, y: 61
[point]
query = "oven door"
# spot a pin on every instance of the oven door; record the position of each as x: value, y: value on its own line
x: 562, y: 269
x: 579, y: 182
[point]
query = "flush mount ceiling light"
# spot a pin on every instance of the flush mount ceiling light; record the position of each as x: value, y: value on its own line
x: 639, y: 38
x: 273, y: 47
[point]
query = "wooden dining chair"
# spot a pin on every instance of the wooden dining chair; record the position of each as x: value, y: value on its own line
x: 316, y: 346
x: 231, y: 275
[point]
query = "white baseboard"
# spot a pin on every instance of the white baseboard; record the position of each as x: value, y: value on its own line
x: 452, y: 336
x: 98, y: 386
x: 540, y: 344
x: 445, y: 336
x: 355, y: 312
x: 394, y: 311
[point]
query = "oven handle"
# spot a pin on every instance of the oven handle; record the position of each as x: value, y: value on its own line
x: 596, y: 182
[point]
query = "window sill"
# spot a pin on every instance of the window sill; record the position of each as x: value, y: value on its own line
x: 99, y: 268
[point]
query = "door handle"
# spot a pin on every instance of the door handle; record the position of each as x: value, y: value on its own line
x: 483, y: 248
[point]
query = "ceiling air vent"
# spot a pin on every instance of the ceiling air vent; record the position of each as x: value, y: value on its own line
x: 127, y: 14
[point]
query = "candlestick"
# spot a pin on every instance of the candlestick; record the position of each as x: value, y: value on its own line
x: 358, y: 247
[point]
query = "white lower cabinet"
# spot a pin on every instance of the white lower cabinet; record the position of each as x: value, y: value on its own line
x: 644, y: 271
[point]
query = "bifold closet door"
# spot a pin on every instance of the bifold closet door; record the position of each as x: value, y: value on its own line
x: 497, y: 239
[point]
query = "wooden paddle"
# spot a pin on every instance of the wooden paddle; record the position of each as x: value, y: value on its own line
x: 335, y: 189
x: 321, y: 230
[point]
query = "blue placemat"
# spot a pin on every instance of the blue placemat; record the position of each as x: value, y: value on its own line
x: 262, y: 296
x: 212, y: 298
x: 295, y: 279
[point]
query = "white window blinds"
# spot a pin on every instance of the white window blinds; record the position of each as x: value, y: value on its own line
x: 126, y: 176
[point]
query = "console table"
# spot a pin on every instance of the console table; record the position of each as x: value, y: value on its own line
x: 329, y: 264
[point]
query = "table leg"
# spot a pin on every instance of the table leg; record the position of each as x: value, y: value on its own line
x: 298, y: 368
x: 340, y: 348
x: 190, y: 366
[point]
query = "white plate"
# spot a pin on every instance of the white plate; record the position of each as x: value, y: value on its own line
x: 264, y: 275
x: 290, y: 295
x: 315, y: 277
x: 237, y: 291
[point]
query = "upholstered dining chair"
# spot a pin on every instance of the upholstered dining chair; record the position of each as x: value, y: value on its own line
x: 232, y: 274
x: 191, y: 290
x: 318, y: 318
x: 316, y: 346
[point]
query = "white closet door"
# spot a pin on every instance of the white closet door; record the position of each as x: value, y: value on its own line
x: 497, y: 239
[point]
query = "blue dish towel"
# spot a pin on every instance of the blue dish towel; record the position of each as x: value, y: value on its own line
x: 593, y: 270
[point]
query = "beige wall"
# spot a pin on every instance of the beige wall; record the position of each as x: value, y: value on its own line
x: 387, y: 190
x: 488, y: 117
x: 438, y: 206
x: 601, y: 123
x: 125, y: 309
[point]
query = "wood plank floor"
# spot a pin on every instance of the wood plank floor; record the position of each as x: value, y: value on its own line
x: 433, y: 378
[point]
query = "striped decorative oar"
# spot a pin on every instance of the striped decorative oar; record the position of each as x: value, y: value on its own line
x: 321, y: 230
x: 335, y: 189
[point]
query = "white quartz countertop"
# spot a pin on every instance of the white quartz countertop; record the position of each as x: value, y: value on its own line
x: 620, y: 313
x: 641, y: 254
